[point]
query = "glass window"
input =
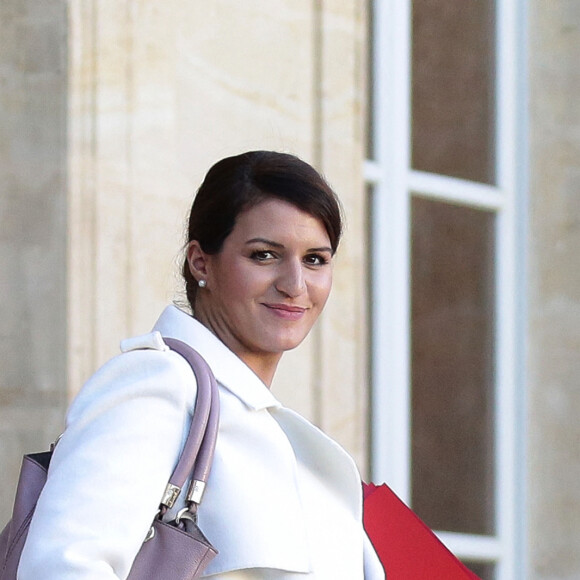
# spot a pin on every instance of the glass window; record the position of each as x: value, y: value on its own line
x: 485, y: 571
x: 452, y: 337
x: 453, y: 112
x: 445, y: 352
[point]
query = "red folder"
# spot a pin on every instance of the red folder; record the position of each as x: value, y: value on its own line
x: 406, y: 546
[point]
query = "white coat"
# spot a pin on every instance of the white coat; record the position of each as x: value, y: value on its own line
x: 283, y: 500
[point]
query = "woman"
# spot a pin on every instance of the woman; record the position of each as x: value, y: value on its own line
x: 283, y: 500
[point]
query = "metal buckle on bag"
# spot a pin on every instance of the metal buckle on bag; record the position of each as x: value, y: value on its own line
x: 196, y: 490
x: 170, y: 496
x: 185, y: 514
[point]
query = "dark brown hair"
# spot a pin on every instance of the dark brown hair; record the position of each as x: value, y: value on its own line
x: 236, y: 184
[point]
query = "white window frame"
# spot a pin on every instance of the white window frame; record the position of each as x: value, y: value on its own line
x: 392, y: 180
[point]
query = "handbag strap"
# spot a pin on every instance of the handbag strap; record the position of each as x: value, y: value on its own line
x: 198, y: 450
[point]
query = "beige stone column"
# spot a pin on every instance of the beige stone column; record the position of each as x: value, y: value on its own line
x: 343, y: 357
x: 158, y: 92
x: 554, y: 285
x: 161, y: 91
x: 33, y: 215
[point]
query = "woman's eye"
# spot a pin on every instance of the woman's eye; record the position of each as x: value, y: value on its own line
x: 315, y: 260
x: 262, y: 255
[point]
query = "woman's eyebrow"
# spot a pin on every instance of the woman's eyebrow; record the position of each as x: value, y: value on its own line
x: 265, y: 241
x: 279, y: 245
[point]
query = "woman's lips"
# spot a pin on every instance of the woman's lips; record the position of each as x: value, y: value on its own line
x: 286, y: 311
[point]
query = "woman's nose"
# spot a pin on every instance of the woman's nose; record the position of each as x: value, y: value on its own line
x: 291, y: 279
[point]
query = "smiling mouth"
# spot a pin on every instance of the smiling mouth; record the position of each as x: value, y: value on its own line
x: 286, y: 311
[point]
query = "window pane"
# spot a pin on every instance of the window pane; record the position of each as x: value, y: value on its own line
x: 453, y: 86
x: 452, y: 366
x: 483, y: 570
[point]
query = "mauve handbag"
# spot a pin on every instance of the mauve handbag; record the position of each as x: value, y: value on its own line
x: 174, y: 550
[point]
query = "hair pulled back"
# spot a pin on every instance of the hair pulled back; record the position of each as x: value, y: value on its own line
x: 236, y: 184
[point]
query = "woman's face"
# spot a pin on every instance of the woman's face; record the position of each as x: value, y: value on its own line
x: 269, y: 283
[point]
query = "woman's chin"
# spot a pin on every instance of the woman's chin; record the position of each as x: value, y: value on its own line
x: 285, y: 343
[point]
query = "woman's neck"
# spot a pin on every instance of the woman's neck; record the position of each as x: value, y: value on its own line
x: 263, y: 364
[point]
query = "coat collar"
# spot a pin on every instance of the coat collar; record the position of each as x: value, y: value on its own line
x: 230, y: 371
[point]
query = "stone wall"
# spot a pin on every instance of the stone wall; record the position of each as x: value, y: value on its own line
x: 554, y: 291
x: 33, y: 215
x: 111, y: 111
x: 160, y: 91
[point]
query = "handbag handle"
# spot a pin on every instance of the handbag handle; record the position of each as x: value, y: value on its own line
x: 198, y: 450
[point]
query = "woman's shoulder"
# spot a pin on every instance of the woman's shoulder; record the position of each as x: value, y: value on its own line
x: 145, y: 368
x: 124, y: 433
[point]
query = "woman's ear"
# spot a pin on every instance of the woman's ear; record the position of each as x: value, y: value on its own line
x: 197, y: 260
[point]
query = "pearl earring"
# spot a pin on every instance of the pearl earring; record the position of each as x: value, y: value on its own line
x: 202, y: 283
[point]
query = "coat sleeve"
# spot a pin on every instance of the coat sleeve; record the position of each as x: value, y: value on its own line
x: 109, y: 470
